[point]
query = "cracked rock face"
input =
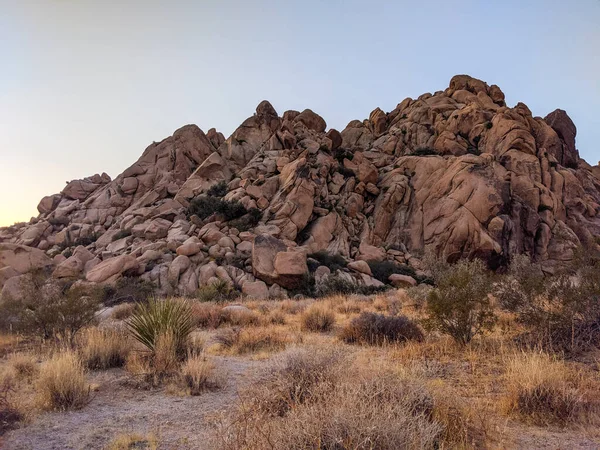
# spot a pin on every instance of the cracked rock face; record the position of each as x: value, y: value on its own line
x: 457, y: 173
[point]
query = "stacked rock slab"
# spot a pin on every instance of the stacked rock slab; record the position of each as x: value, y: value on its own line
x: 457, y: 173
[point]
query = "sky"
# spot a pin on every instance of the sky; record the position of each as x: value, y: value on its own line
x: 86, y: 86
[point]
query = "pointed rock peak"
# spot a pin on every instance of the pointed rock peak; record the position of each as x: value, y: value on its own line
x: 560, y: 122
x: 265, y: 108
x: 468, y: 83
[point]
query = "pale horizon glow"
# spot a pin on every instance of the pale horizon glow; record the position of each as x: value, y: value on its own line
x: 86, y: 86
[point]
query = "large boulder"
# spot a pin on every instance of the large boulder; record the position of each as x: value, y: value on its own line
x: 264, y: 250
x: 112, y: 268
x: 291, y: 269
x: 23, y: 259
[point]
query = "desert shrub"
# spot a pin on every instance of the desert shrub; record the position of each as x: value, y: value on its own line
x: 200, y: 374
x: 129, y: 290
x: 103, y: 348
x: 248, y: 220
x: 341, y: 153
x: 538, y: 389
x: 333, y: 262
x: 219, y: 291
x: 561, y: 313
x: 317, y: 317
x: 314, y: 399
x: 204, y: 206
x: 50, y: 309
x: 338, y: 285
x: 9, y: 414
x: 347, y: 173
x: 382, y: 270
x: 121, y: 234
x: 424, y: 151
x: 161, y: 317
x: 24, y: 364
x: 218, y: 189
x: 377, y: 329
x: 62, y: 384
x: 459, y: 305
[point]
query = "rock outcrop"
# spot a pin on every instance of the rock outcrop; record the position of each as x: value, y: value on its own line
x: 457, y: 173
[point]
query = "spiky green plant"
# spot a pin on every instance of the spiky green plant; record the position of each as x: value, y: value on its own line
x: 159, y: 317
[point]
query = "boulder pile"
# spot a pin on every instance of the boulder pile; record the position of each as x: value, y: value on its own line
x: 457, y: 173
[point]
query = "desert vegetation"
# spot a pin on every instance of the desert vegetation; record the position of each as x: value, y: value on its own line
x: 475, y: 360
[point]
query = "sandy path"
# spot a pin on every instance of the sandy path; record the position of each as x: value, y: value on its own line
x: 179, y: 422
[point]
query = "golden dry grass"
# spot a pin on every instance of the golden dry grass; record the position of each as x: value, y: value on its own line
x: 104, y: 348
x: 199, y: 373
x: 133, y: 441
x: 263, y: 340
x: 543, y: 389
x: 25, y: 365
x: 318, y: 317
x: 123, y: 311
x: 62, y: 383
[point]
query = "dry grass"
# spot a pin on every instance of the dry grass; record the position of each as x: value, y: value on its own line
x: 206, y: 315
x: 104, y: 348
x: 542, y: 389
x: 62, y: 384
x: 253, y: 340
x: 317, y: 317
x: 239, y: 317
x: 164, y: 360
x: 25, y: 365
x: 133, y: 441
x: 199, y: 373
x: 123, y: 311
x: 9, y: 412
x: 314, y: 398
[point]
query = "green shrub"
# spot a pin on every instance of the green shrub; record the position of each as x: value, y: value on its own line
x: 219, y: 291
x: 218, y: 190
x: 160, y: 318
x: 204, y: 206
x: 424, y: 151
x: 333, y: 262
x: 341, y: 153
x: 459, y: 304
x: 247, y: 221
x: 377, y: 329
x: 50, y: 309
x: 382, y: 270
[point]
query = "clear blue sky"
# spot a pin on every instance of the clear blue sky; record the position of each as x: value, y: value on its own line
x: 86, y: 85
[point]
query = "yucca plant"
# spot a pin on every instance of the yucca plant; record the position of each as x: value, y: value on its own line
x: 160, y: 317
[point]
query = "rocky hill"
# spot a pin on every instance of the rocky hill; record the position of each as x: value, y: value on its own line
x: 457, y: 173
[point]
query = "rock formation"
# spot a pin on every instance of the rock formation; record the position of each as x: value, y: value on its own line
x: 457, y: 173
